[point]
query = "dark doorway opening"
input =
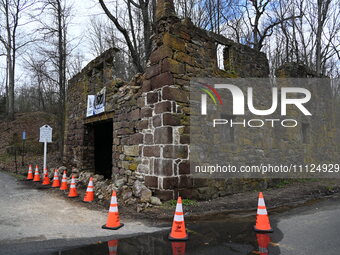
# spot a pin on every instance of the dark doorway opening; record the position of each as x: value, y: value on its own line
x: 103, y: 135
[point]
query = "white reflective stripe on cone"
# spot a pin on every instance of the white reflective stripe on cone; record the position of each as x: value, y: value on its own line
x: 263, y: 250
x: 113, y: 209
x: 89, y: 189
x: 262, y: 211
x: 114, y: 200
x: 178, y: 217
x: 179, y: 208
x: 261, y: 202
x: 114, y: 248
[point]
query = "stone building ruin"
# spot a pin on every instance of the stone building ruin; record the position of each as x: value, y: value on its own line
x: 143, y: 135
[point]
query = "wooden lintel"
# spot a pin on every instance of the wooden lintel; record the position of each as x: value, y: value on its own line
x: 100, y: 117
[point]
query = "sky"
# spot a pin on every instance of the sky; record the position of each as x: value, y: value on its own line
x: 82, y: 12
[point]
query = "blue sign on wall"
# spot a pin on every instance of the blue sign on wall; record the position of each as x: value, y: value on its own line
x: 24, y: 135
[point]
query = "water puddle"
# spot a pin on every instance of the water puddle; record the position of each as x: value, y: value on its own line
x: 227, y: 237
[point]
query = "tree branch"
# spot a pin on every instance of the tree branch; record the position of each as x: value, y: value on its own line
x: 133, y: 51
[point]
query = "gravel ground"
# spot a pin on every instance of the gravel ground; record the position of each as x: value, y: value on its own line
x: 30, y: 214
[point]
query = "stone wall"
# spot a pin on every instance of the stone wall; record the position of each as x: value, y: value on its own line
x: 78, y: 149
x: 181, y: 52
x: 125, y: 108
x: 240, y: 61
x: 150, y: 114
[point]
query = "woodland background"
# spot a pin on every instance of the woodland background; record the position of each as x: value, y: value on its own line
x: 39, y: 50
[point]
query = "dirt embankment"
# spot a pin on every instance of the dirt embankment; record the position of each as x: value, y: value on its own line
x: 11, y: 143
x: 285, y: 195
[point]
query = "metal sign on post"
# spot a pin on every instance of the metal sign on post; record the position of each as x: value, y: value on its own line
x: 23, y: 147
x: 45, y: 137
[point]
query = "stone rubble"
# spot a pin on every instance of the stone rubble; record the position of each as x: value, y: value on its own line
x: 135, y: 193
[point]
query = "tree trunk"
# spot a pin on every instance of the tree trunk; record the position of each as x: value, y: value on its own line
x: 10, y: 64
x: 61, y: 73
x: 318, y: 40
x: 323, y: 6
x: 147, y: 31
x: 10, y: 89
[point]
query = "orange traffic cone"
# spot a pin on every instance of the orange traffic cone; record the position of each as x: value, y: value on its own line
x: 89, y: 196
x: 178, y: 248
x: 64, y: 182
x: 73, y: 189
x: 113, y: 247
x: 113, y: 221
x: 30, y: 173
x: 36, y: 174
x: 46, y: 179
x: 43, y: 174
x: 56, y: 181
x: 262, y: 219
x: 178, y: 232
x: 263, y: 241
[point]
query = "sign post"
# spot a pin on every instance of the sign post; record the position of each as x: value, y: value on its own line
x: 45, y: 137
x: 23, y: 147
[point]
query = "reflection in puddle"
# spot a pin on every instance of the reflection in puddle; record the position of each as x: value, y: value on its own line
x: 231, y: 237
x: 263, y: 241
x: 113, y: 246
x: 178, y: 248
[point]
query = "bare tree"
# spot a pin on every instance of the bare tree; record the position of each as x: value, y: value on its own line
x: 102, y: 35
x: 12, y: 11
x: 54, y: 21
x: 97, y: 36
x: 261, y: 22
x: 297, y: 39
x: 136, y: 12
x: 75, y: 63
x: 322, y: 9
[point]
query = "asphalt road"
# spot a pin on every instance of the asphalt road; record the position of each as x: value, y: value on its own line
x: 35, y: 222
x: 28, y: 214
x: 311, y: 229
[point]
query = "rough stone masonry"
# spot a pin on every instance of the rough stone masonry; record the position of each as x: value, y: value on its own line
x: 150, y: 114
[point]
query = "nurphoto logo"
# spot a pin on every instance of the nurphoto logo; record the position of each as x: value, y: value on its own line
x: 302, y: 96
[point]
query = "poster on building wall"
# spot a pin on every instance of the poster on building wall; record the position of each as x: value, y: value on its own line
x: 90, y: 105
x: 96, y: 103
x: 99, y: 102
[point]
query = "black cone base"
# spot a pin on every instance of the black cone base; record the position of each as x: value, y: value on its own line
x: 263, y: 231
x: 113, y: 228
x: 186, y: 238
